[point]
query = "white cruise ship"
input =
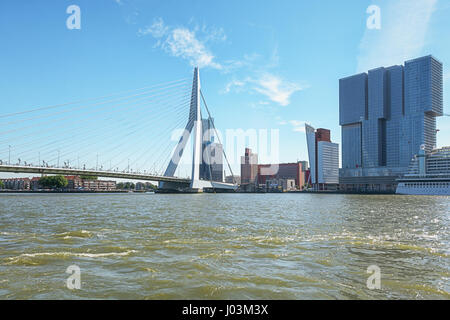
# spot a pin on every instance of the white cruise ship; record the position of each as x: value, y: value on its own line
x: 428, y: 174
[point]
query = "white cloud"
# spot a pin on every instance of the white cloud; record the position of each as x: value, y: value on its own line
x: 213, y: 34
x: 299, y: 129
x: 404, y: 25
x: 273, y: 87
x: 235, y: 85
x: 158, y: 29
x: 276, y: 89
x: 298, y: 126
x: 182, y: 42
x: 190, y: 43
x: 297, y: 123
x: 447, y: 76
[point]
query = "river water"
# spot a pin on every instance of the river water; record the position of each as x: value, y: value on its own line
x: 224, y: 246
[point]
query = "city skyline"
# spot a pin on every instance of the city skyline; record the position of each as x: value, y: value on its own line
x: 283, y: 93
x: 228, y: 156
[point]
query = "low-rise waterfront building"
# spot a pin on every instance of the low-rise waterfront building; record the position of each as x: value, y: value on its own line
x: 140, y: 186
x: 291, y: 171
x: 99, y: 185
x: 35, y: 184
x: 74, y: 182
x: 280, y: 185
x: 17, y: 184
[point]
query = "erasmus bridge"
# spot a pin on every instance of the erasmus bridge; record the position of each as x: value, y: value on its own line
x: 127, y: 135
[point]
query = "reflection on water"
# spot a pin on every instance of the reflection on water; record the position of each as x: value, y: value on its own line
x: 224, y: 246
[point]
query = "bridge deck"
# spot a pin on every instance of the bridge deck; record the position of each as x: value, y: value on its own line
x: 78, y: 172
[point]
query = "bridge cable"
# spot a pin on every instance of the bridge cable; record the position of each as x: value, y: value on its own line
x: 86, y: 100
x: 218, y: 138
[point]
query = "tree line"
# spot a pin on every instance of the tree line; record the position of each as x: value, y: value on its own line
x: 53, y: 182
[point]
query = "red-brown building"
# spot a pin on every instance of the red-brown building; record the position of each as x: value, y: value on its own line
x: 323, y: 135
x: 74, y: 182
x: 249, y: 167
x: 282, y: 171
x: 307, y: 174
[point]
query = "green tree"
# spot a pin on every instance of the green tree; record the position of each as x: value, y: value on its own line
x: 125, y: 186
x: 129, y: 186
x: 150, y: 186
x: 2, y: 185
x: 53, y: 182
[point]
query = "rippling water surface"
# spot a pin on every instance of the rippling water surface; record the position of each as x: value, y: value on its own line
x: 224, y: 246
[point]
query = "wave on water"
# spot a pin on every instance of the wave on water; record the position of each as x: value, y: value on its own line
x: 41, y: 257
x: 75, y: 234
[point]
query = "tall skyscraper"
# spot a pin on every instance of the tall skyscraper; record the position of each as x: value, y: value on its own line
x: 385, y: 116
x: 211, y: 167
x: 323, y: 159
x: 216, y: 162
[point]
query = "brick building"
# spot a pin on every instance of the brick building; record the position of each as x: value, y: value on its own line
x: 287, y: 171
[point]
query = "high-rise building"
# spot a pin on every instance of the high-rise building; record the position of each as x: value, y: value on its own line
x: 386, y: 114
x: 323, y: 159
x: 249, y: 167
x: 216, y: 162
x: 211, y: 167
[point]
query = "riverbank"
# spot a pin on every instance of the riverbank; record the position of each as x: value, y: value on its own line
x: 71, y: 191
x: 286, y: 192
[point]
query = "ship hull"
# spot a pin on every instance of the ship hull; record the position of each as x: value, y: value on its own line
x: 424, y: 188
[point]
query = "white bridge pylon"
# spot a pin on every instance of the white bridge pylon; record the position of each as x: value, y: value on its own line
x: 194, y: 122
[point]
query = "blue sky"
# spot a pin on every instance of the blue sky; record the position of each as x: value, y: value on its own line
x: 264, y: 64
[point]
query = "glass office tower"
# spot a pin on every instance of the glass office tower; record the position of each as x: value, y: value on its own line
x: 211, y: 168
x: 386, y: 114
x: 323, y: 158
